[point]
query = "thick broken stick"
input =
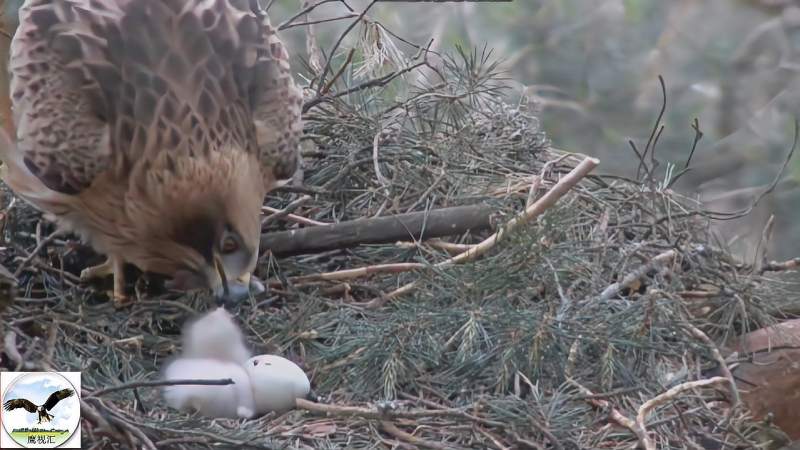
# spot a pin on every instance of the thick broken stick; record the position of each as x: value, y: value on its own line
x: 381, y: 230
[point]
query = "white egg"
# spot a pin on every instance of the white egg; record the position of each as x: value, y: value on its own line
x: 232, y: 400
x: 276, y: 383
x: 215, y: 336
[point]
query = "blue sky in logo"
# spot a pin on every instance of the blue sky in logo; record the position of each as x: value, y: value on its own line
x: 37, y: 388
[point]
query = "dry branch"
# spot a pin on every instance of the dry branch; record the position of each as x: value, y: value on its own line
x: 614, y: 415
x: 717, y: 355
x: 531, y: 212
x: 629, y: 279
x: 670, y: 395
x: 381, y: 230
x: 535, y: 210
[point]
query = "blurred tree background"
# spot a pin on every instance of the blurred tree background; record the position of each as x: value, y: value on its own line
x: 591, y: 69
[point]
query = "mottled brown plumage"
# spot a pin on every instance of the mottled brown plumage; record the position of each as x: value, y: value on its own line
x: 153, y: 128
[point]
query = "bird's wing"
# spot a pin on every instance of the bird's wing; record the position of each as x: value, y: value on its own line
x: 56, y: 397
x: 104, y: 84
x: 19, y: 403
x: 277, y: 103
x: 62, y: 128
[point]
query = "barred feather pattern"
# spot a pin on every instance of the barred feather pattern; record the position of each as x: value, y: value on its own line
x: 131, y: 114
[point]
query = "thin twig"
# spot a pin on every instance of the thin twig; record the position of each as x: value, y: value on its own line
x: 332, y: 53
x: 697, y: 136
x: 392, y: 429
x: 304, y: 11
x: 650, y: 146
x: 285, y: 211
x: 617, y: 417
x: 439, y: 244
x: 349, y: 274
x: 293, y: 217
x: 158, y: 383
x: 376, y: 82
x: 318, y: 21
x: 338, y: 73
x: 375, y: 160
x: 760, y: 257
x: 44, y: 242
x: 723, y: 365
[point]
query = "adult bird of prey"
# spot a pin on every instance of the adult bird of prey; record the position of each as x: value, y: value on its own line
x: 153, y: 129
x: 29, y: 406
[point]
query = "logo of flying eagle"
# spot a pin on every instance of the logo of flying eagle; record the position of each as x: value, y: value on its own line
x: 153, y: 129
x: 29, y: 406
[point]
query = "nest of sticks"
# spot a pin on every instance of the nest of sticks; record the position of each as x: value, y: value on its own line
x: 480, y: 289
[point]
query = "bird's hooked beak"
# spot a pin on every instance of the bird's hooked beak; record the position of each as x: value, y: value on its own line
x: 232, y: 291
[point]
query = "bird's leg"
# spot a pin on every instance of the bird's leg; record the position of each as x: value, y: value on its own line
x: 120, y: 298
x: 112, y: 266
x: 99, y: 271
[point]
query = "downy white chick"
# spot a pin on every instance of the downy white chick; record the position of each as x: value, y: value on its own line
x: 231, y: 401
x: 214, y: 349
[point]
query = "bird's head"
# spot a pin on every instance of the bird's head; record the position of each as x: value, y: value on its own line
x: 219, y: 253
x: 204, y: 226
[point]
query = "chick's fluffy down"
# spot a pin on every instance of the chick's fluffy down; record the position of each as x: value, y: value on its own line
x: 231, y: 401
x: 215, y: 336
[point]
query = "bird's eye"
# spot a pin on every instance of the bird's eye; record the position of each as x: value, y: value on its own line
x: 229, y: 245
